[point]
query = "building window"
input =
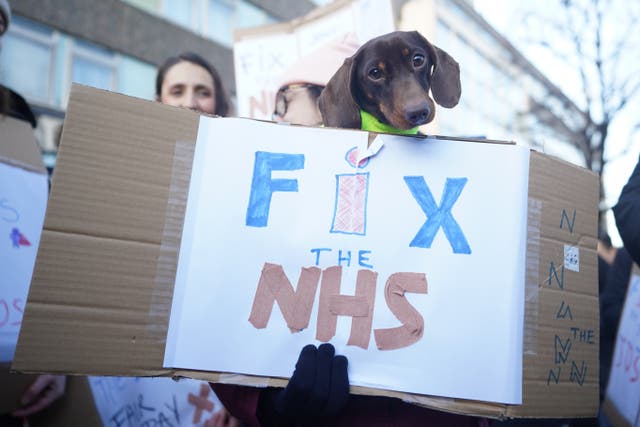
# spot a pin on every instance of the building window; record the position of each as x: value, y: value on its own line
x: 93, y: 66
x: 148, y: 5
x: 181, y: 12
x: 27, y: 60
x: 225, y: 15
x: 248, y: 15
x: 214, y: 19
x: 220, y: 21
x: 136, y: 78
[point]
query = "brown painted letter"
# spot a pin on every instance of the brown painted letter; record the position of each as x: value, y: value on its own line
x: 295, y: 305
x: 359, y: 307
x: 412, y: 322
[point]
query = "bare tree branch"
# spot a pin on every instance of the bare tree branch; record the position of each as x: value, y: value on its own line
x: 626, y: 95
x: 598, y: 40
x: 599, y: 63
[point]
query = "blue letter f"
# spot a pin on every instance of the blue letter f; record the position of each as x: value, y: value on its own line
x: 438, y: 216
x: 262, y: 186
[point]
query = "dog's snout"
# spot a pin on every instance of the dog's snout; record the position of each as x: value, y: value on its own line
x: 418, y: 115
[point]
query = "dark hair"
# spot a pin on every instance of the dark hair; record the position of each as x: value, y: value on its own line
x: 222, y: 100
x: 4, y: 101
x: 12, y: 104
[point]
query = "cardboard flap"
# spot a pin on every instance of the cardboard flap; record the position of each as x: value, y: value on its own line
x: 18, y: 146
x: 560, y: 365
x: 100, y: 270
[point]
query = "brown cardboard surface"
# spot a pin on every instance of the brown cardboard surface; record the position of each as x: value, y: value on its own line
x: 560, y: 187
x: 18, y: 146
x: 95, y: 276
x: 102, y: 288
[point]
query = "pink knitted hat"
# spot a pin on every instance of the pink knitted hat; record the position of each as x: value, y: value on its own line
x: 321, y: 64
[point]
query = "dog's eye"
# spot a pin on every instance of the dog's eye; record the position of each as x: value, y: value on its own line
x: 375, y: 73
x: 418, y: 60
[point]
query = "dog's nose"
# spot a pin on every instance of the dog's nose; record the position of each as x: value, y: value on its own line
x: 417, y: 115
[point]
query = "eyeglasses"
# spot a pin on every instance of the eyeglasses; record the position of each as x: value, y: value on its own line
x: 282, y: 102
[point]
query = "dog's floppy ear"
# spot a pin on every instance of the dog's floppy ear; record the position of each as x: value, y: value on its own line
x: 445, y: 77
x: 336, y: 103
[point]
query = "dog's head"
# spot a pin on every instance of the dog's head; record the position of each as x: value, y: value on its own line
x: 390, y: 77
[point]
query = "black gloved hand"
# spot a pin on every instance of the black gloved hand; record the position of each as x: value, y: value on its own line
x: 319, y: 386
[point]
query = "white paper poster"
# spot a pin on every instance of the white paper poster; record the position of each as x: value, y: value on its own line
x: 422, y: 245
x: 23, y: 200
x: 623, y: 388
x: 261, y: 60
x: 147, y: 402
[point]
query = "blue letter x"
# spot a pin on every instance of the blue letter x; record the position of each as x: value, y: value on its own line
x: 263, y: 186
x: 438, y: 216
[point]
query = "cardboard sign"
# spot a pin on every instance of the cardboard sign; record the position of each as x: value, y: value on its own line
x: 104, y: 280
x: 144, y: 402
x: 425, y: 218
x: 623, y: 389
x: 23, y: 200
x: 264, y: 55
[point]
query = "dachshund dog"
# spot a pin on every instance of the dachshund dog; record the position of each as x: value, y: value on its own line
x: 388, y: 81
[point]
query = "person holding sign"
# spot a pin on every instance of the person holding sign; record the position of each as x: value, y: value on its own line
x: 189, y: 81
x: 318, y: 395
x: 620, y: 406
x: 318, y: 390
x: 45, y: 389
x: 614, y: 266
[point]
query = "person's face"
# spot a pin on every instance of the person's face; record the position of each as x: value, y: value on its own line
x: 190, y: 86
x: 297, y: 105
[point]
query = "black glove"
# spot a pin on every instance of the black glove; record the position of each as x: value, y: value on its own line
x: 319, y: 386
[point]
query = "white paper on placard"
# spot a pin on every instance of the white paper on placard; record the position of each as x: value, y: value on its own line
x: 144, y: 402
x: 23, y: 200
x: 260, y: 61
x: 622, y: 388
x: 472, y: 311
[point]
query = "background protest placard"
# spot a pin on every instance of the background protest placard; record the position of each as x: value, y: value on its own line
x: 145, y: 402
x: 426, y: 243
x: 623, y: 389
x: 263, y: 56
x: 23, y: 200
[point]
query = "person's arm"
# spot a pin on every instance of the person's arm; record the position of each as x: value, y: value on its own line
x: 627, y: 213
x: 45, y: 390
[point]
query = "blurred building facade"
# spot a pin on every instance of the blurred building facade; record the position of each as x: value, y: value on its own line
x: 118, y: 44
x: 501, y: 89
